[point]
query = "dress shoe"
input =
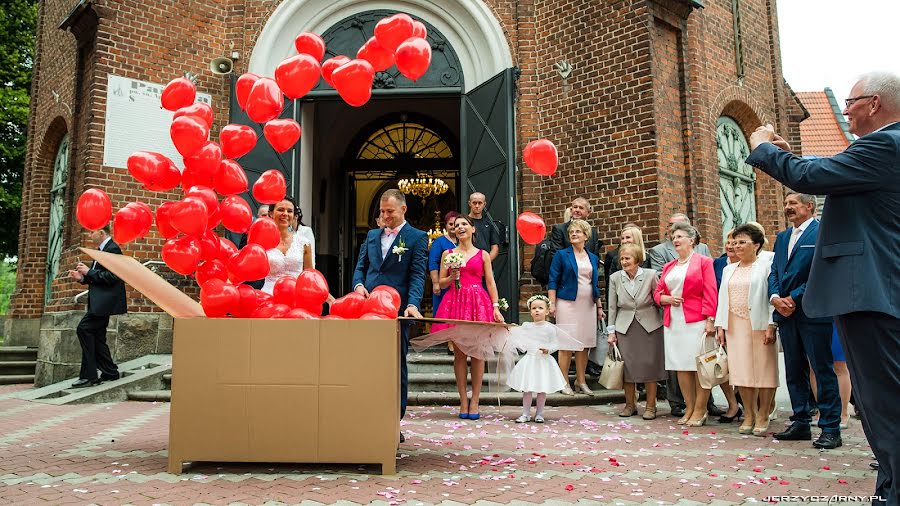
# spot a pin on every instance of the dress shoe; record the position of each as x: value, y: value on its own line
x: 567, y: 390
x: 649, y: 414
x: 84, y: 383
x: 583, y: 389
x: 714, y: 410
x: 761, y: 431
x: 698, y: 423
x: 538, y: 419
x: 107, y: 377
x: 628, y: 411
x: 523, y: 419
x: 828, y: 441
x: 677, y: 411
x: 729, y: 419
x: 796, y: 432
x: 874, y: 465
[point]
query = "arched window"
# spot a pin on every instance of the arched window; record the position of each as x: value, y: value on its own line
x: 403, y: 140
x: 737, y: 180
x: 57, y: 214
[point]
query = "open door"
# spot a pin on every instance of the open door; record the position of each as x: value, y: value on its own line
x: 487, y: 124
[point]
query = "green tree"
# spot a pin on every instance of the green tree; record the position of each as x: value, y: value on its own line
x: 18, y: 21
x: 7, y: 284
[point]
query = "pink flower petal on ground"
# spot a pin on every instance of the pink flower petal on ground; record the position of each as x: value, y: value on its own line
x: 842, y: 481
x: 827, y: 468
x: 784, y: 482
x: 570, y: 487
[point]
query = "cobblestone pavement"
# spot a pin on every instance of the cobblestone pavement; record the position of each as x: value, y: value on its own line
x: 116, y: 454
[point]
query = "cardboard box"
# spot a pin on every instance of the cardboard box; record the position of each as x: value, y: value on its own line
x: 254, y: 390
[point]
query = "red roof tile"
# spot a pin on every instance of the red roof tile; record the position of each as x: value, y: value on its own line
x: 820, y: 134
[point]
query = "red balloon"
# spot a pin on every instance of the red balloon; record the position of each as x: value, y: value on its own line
x: 531, y: 227
x: 248, y: 301
x: 413, y: 58
x: 332, y: 317
x: 353, y: 81
x: 218, y: 298
x: 311, y: 291
x: 282, y: 134
x: 179, y: 93
x: 189, y: 216
x: 207, y: 195
x: 310, y: 44
x: 264, y: 232
x: 145, y: 216
x: 214, y: 219
x: 94, y: 209
x: 301, y: 314
x: 206, y: 161
x: 211, y: 269
x: 331, y: 64
x: 249, y: 264
x: 182, y: 254
x: 242, y: 88
x: 349, y: 306
x: 153, y: 170
x: 270, y: 188
x: 419, y: 29
x: 272, y: 311
x: 237, y: 140
x: 297, y: 75
x: 189, y: 135
x: 265, y: 101
x: 209, y: 246
x: 541, y: 157
x: 164, y: 220
x: 374, y: 316
x: 193, y: 176
x: 283, y: 291
x: 381, y: 302
x: 227, y: 249
x: 230, y: 179
x: 395, y: 295
x: 132, y: 222
x: 199, y: 110
x: 376, y: 54
x: 393, y: 30
x: 236, y: 214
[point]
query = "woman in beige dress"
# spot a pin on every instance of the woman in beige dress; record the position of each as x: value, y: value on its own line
x: 744, y: 320
x: 637, y: 328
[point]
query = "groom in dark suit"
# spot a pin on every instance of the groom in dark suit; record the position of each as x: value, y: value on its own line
x: 106, y: 296
x: 397, y: 256
x: 854, y: 274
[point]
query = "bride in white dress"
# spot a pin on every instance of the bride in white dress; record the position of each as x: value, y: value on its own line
x: 294, y: 251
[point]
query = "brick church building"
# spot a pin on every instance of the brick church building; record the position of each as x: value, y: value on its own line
x: 650, y: 103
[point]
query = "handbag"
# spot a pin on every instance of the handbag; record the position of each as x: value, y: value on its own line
x: 613, y: 375
x: 712, y: 363
x: 597, y: 354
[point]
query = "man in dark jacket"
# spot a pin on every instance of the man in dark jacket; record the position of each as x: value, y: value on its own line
x: 106, y: 296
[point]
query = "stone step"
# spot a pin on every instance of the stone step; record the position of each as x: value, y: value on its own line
x: 515, y: 398
x: 17, y: 367
x: 150, y: 395
x: 16, y: 353
x: 167, y: 379
x: 15, y: 379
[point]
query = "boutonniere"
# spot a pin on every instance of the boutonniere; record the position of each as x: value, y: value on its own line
x: 399, y: 249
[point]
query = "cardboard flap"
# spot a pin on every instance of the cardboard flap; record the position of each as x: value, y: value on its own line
x: 151, y: 285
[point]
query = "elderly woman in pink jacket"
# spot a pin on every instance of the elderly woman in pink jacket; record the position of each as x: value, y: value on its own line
x: 687, y: 292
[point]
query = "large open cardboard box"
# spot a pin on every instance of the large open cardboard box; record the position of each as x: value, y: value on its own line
x: 252, y: 390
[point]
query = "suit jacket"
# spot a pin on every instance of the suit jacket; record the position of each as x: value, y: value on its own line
x: 699, y: 292
x: 404, y: 272
x: 757, y: 297
x: 625, y: 308
x: 106, y: 292
x: 564, y: 274
x: 718, y: 266
x: 855, y: 266
x: 559, y: 238
x: 789, y: 276
x: 664, y: 252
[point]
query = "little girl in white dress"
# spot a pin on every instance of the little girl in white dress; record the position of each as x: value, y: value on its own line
x: 537, y: 372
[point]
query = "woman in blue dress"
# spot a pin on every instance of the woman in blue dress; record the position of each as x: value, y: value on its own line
x: 438, y: 247
x: 843, y: 376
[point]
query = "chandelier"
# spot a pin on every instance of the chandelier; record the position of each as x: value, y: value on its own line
x: 423, y: 187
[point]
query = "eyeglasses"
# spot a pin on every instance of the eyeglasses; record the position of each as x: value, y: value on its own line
x: 851, y: 101
x: 742, y: 243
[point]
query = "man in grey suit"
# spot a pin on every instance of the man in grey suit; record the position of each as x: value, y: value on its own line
x: 854, y: 276
x: 660, y: 255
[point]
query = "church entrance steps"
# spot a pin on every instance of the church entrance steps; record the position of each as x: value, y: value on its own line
x: 17, y: 364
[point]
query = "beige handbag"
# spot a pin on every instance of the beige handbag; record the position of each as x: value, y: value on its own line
x: 613, y: 375
x: 712, y: 363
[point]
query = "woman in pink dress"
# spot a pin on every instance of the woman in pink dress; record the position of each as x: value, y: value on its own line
x: 467, y: 299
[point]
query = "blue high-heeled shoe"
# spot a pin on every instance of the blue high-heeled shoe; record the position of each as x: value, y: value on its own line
x: 464, y: 416
x: 474, y: 416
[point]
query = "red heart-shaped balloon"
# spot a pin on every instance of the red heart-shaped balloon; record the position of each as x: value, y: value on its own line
x: 531, y: 227
x: 541, y: 157
x: 192, y: 176
x: 393, y: 30
x: 179, y: 93
x: 349, y: 306
x: 182, y: 254
x: 419, y: 30
x: 145, y: 217
x: 189, y: 216
x: 206, y: 161
x: 413, y: 57
x: 264, y: 232
x: 248, y: 301
x: 270, y: 188
x: 153, y: 170
x: 299, y: 313
x: 209, y: 246
x: 189, y: 134
x: 353, y: 81
x: 242, y: 88
x: 218, y: 298
x: 331, y: 64
x: 395, y: 295
x: 207, y: 195
x: 297, y: 75
x: 199, y: 110
x: 282, y: 134
x: 227, y: 249
x: 272, y: 310
x: 248, y: 264
x: 236, y: 214
x: 211, y: 269
x: 164, y: 220
x: 94, y: 209
x: 265, y: 101
x: 377, y: 55
x: 311, y: 44
x: 283, y: 290
x: 381, y: 302
x: 132, y: 222
x: 237, y: 140
x: 230, y: 179
x: 311, y: 291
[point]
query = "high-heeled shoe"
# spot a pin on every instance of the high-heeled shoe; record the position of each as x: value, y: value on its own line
x: 683, y: 420
x: 729, y: 419
x: 567, y: 390
x: 474, y: 416
x: 761, y: 431
x: 746, y: 427
x: 698, y: 423
x: 583, y: 388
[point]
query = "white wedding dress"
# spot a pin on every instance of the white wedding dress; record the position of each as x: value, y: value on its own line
x: 281, y: 264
